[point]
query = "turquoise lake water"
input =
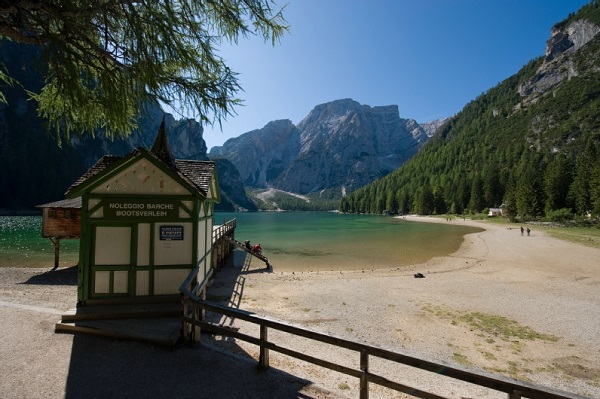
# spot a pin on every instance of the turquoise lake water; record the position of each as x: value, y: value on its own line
x: 291, y: 240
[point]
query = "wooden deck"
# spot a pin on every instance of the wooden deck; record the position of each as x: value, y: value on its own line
x: 154, y: 323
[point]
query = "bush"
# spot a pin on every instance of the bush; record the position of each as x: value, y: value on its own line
x: 560, y: 215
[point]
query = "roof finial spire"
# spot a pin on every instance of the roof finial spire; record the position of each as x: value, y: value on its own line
x: 161, y: 148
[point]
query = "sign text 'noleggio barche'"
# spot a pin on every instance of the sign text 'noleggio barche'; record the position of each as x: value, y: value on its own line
x: 140, y: 209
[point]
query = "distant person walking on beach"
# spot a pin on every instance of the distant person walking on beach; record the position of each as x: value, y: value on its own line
x: 522, y: 230
x: 528, y: 231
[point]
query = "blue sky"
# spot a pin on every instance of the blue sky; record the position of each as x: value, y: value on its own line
x: 429, y: 57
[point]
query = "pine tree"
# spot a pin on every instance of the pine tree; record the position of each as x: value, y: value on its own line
x: 106, y: 59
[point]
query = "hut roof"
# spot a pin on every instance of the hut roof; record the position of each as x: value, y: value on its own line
x: 198, y: 174
x: 74, y: 203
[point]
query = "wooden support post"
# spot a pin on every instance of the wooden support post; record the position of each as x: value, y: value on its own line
x: 202, y: 314
x: 263, y: 357
x: 184, y: 326
x: 56, y: 242
x: 364, y: 368
x: 197, y: 330
x: 514, y: 395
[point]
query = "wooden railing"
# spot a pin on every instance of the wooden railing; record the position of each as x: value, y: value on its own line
x: 193, y: 317
x: 224, y: 230
x: 197, y: 281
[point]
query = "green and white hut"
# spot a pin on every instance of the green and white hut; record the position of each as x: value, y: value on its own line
x: 146, y: 222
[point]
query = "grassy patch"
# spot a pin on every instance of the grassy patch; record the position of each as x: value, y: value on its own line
x: 488, y: 355
x: 461, y: 359
x: 587, y: 236
x: 503, y: 327
x: 343, y: 386
x: 513, y: 370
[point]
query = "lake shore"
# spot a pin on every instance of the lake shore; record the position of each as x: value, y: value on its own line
x: 521, y: 306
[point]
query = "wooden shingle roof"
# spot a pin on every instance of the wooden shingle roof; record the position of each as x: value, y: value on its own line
x: 74, y: 203
x: 197, y: 174
x: 98, y: 167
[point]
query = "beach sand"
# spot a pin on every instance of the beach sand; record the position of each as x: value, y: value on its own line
x: 546, y: 290
x: 527, y: 307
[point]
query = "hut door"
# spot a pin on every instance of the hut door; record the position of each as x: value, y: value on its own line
x: 112, y: 261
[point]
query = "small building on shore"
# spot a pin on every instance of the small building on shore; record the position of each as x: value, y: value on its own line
x: 60, y: 220
x: 495, y: 212
x: 146, y: 222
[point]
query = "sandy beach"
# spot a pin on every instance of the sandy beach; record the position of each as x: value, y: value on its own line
x: 526, y: 307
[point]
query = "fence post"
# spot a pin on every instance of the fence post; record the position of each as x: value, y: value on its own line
x: 364, y: 368
x: 197, y: 330
x: 263, y: 358
x: 184, y: 323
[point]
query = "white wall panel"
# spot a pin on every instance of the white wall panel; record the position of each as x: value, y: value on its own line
x: 112, y: 246
x: 142, y: 282
x: 102, y: 282
x: 143, y: 250
x: 173, y: 252
x: 169, y: 281
x: 120, y: 279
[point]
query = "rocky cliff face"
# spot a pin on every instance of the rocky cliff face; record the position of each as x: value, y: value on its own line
x: 263, y: 154
x: 341, y: 144
x: 35, y: 170
x: 558, y: 65
x: 185, y: 138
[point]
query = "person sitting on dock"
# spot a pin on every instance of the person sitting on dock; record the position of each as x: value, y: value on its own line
x: 257, y: 248
x: 247, y: 244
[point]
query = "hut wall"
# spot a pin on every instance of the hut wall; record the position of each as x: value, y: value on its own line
x: 61, y: 222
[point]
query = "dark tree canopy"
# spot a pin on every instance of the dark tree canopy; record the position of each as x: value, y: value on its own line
x: 105, y: 59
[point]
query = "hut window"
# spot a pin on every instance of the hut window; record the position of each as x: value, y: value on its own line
x: 51, y: 213
x: 67, y: 214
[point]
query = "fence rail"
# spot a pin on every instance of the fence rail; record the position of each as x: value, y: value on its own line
x: 195, y: 308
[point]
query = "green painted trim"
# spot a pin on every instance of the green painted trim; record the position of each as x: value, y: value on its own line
x: 195, y: 232
x: 105, y: 199
x: 151, y: 260
x: 99, y: 205
x: 215, y: 186
x: 132, y: 275
x: 187, y: 210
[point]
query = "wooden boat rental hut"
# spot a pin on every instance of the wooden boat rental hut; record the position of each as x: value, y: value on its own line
x: 146, y: 222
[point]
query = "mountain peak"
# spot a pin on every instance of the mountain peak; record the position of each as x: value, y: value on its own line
x: 339, y: 144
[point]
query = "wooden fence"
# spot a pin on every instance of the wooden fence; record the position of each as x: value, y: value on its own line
x: 221, y: 247
x: 193, y: 293
x: 194, y: 320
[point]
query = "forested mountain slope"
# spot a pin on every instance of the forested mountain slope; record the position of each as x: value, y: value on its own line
x: 531, y: 144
